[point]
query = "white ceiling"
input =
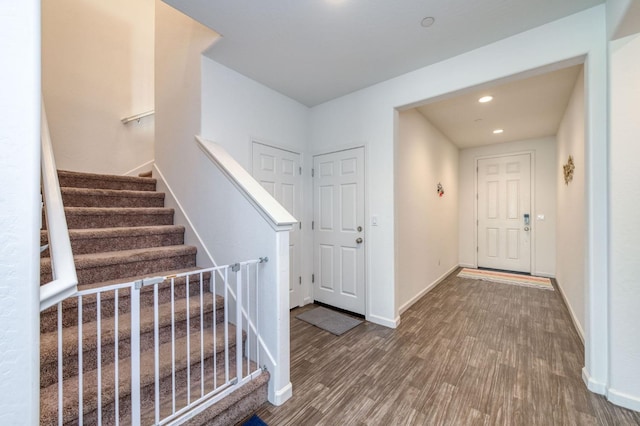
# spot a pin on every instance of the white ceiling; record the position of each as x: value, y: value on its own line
x: 528, y: 108
x: 317, y: 50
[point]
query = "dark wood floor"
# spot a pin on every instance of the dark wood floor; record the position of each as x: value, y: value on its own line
x: 468, y: 353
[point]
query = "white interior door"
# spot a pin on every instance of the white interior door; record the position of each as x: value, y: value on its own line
x: 338, y: 193
x: 279, y: 173
x: 504, y: 213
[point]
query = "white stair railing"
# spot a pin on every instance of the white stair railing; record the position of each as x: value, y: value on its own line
x: 63, y: 270
x: 130, y: 351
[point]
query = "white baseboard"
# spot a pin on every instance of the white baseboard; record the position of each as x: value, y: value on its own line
x: 593, y: 385
x: 543, y: 274
x: 386, y: 322
x: 280, y: 396
x: 307, y: 301
x: 140, y: 169
x: 203, y: 256
x: 572, y: 314
x: 467, y: 265
x: 426, y: 290
x: 614, y: 396
x: 623, y: 400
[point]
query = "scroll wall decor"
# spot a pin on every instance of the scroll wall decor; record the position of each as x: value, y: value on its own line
x: 440, y: 190
x: 568, y: 170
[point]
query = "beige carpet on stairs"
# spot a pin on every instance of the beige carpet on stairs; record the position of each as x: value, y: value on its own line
x: 120, y: 231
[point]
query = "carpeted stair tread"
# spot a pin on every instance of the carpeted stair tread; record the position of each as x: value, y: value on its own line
x: 92, y: 267
x: 236, y: 405
x: 95, y: 197
x: 49, y: 341
x: 48, y: 317
x: 112, y: 217
x: 93, y: 180
x: 121, y: 232
x: 93, y: 240
x: 48, y: 395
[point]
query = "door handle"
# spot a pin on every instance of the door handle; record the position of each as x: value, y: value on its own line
x: 358, y: 240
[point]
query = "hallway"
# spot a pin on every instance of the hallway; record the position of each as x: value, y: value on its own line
x: 469, y: 352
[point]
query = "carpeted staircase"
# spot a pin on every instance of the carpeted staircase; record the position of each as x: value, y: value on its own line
x: 120, y: 231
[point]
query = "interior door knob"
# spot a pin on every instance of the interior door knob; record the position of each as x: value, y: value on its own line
x: 358, y: 240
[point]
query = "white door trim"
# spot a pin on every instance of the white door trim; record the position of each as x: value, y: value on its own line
x: 532, y: 154
x: 367, y: 224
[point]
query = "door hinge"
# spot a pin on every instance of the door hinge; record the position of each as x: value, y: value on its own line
x: 477, y: 249
x: 300, y: 280
x: 313, y: 278
x: 299, y: 170
x: 312, y: 172
x: 477, y: 222
x: 313, y: 224
x: 300, y: 225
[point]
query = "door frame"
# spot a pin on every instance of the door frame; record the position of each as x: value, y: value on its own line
x: 532, y: 185
x: 367, y: 225
x: 305, y: 289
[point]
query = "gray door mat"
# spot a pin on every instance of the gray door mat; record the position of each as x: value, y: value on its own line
x: 331, y: 321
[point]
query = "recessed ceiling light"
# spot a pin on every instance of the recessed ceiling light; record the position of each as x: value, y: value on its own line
x: 497, y: 131
x: 428, y: 21
x: 485, y: 99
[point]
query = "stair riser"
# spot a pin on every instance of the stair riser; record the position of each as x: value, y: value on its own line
x: 104, y: 244
x: 116, y: 220
x: 49, y: 367
x: 147, y: 395
x: 98, y: 200
x: 101, y: 273
x: 102, y: 182
x: 49, y: 321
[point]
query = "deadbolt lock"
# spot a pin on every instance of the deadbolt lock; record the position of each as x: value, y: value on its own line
x: 359, y: 228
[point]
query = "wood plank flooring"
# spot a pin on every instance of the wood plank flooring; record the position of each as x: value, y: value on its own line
x: 468, y: 353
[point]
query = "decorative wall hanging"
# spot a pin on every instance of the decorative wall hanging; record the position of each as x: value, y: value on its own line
x: 440, y: 190
x: 568, y: 170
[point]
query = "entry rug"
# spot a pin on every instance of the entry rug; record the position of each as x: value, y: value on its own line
x: 507, y: 278
x: 331, y: 321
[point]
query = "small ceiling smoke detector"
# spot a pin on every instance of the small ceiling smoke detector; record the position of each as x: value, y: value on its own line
x: 497, y: 131
x: 485, y: 99
x: 428, y: 21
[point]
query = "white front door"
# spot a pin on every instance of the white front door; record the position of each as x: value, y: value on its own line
x: 339, y: 237
x: 278, y: 171
x: 504, y: 213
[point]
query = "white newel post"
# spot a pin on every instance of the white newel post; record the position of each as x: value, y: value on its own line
x: 280, y: 388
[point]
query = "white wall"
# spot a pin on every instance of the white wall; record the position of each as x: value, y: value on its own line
x: 97, y: 68
x: 196, y: 96
x: 571, y: 225
x: 237, y: 110
x: 544, y: 200
x: 19, y: 212
x: 367, y: 117
x: 426, y: 225
x: 624, y: 255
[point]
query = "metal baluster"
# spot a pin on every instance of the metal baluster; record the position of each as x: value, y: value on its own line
x: 238, y: 271
x: 99, y: 355
x: 156, y: 354
x: 80, y: 384
x: 201, y: 336
x: 135, y: 353
x: 116, y: 361
x: 188, y: 343
x: 173, y: 349
x: 226, y: 325
x: 60, y: 375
